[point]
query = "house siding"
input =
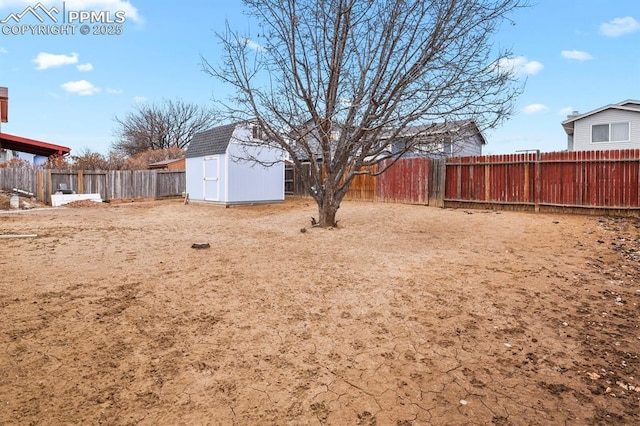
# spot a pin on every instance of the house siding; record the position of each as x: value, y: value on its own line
x: 467, y: 146
x: 582, y: 130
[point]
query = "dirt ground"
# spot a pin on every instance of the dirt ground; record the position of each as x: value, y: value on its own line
x: 405, y: 315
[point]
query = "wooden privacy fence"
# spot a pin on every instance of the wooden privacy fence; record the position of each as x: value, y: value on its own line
x: 531, y: 181
x: 568, y: 180
x: 583, y: 180
x: 111, y: 185
x: 406, y: 181
x: 18, y: 178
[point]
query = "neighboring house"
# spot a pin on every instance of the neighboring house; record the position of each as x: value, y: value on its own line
x: 442, y: 140
x: 228, y: 165
x: 175, y: 164
x: 39, y: 151
x: 6, y: 155
x: 305, y: 141
x: 438, y: 140
x: 615, y: 126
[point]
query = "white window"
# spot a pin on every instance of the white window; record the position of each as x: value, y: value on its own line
x: 620, y: 132
x: 610, y: 132
x: 448, y: 148
x: 257, y: 133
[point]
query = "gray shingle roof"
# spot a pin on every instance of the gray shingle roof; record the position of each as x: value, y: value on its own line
x: 211, y: 142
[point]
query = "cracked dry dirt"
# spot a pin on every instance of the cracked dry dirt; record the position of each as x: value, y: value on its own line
x: 406, y: 315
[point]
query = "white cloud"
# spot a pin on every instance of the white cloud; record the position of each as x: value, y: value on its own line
x: 81, y: 87
x: 535, y: 108
x: 131, y: 12
x: 252, y: 44
x: 520, y: 65
x: 139, y: 99
x: 114, y: 91
x: 576, y: 54
x: 532, y: 67
x: 49, y: 60
x: 619, y: 26
x: 3, y: 50
x: 85, y: 67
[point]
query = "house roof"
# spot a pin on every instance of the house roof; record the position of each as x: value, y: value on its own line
x: 211, y: 142
x: 31, y: 146
x: 163, y: 163
x: 454, y: 127
x: 628, y: 105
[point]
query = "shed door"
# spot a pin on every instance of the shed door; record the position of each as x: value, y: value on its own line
x: 211, y: 179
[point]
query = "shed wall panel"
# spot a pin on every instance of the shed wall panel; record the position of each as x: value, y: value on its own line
x: 249, y: 181
x: 194, y: 178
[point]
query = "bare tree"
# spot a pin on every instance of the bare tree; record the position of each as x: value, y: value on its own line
x: 89, y: 160
x: 168, y: 124
x: 142, y: 160
x: 331, y: 82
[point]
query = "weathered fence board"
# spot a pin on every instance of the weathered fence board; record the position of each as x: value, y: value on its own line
x: 170, y: 183
x: 18, y: 178
x: 363, y: 186
x: 113, y: 184
x: 437, y: 176
x: 406, y: 181
x: 93, y: 182
x: 584, y: 179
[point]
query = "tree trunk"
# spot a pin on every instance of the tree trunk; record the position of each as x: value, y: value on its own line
x: 327, y: 214
x: 328, y: 205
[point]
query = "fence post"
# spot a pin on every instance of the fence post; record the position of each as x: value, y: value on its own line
x: 154, y: 183
x: 487, y: 181
x: 459, y: 180
x: 527, y: 195
x: 538, y: 183
x: 49, y: 187
x: 436, y: 182
x: 80, y: 182
x: 40, y: 185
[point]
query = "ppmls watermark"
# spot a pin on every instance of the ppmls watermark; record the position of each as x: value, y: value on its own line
x: 39, y: 20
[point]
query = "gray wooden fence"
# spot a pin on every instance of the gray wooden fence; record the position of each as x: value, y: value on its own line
x: 111, y: 185
x: 18, y: 178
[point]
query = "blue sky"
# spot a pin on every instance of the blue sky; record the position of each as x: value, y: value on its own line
x: 66, y: 89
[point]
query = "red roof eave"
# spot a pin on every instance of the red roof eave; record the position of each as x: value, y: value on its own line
x: 32, y: 146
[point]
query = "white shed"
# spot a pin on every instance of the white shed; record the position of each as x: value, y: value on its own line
x: 226, y: 165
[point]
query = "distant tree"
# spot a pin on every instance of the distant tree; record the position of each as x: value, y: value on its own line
x: 58, y: 162
x: 89, y: 160
x: 15, y: 163
x: 114, y: 160
x: 142, y: 160
x: 329, y: 81
x: 159, y: 126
